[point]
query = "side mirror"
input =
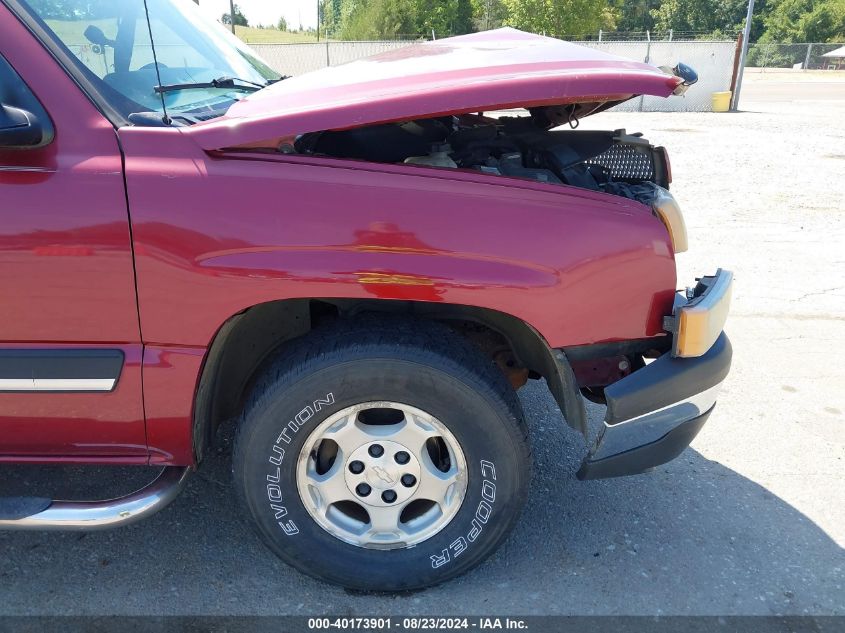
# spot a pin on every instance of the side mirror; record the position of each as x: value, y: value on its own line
x: 95, y: 35
x: 686, y: 73
x: 20, y: 128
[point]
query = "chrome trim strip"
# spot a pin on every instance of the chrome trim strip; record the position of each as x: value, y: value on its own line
x: 97, y: 515
x: 39, y: 170
x: 17, y: 384
x: 57, y: 384
x: 74, y: 384
x: 651, y: 426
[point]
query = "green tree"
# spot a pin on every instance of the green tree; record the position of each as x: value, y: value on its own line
x: 560, y: 17
x: 240, y: 18
x: 463, y: 17
x: 444, y: 17
x: 730, y: 18
x: 635, y: 15
x: 335, y: 15
x: 378, y: 19
x: 805, y: 21
x: 686, y: 15
x: 282, y: 24
x: 368, y: 19
x: 722, y: 18
x: 488, y: 14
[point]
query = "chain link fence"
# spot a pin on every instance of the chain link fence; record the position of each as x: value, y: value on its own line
x: 296, y: 59
x: 807, y: 56
x: 269, y: 35
x: 653, y: 36
x: 712, y: 59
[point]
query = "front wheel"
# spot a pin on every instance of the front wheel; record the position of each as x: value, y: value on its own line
x: 383, y: 458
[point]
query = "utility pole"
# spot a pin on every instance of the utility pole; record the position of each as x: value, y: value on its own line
x: 746, y: 35
x: 232, y: 14
x: 318, y: 20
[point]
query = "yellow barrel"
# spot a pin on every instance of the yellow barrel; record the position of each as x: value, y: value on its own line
x: 721, y: 101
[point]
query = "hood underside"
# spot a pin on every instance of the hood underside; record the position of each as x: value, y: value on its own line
x: 486, y: 71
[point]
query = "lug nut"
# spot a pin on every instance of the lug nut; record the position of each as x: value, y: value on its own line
x: 363, y: 490
x: 408, y: 480
x: 402, y: 457
x: 376, y: 450
x: 388, y: 496
x: 356, y: 467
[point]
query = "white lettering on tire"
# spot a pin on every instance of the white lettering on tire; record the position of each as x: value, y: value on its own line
x: 277, y: 456
x: 482, y: 516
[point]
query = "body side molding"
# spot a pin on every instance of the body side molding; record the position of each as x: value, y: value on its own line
x: 60, y: 370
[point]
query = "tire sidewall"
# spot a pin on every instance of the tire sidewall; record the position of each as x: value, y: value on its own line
x: 279, y: 425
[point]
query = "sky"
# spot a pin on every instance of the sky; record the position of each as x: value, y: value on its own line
x: 268, y: 11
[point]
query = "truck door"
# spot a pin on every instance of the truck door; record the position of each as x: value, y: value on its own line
x: 70, y: 346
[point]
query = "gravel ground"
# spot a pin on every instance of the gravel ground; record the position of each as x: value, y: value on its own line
x: 749, y: 520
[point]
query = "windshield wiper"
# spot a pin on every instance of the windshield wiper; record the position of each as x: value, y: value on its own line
x: 231, y: 83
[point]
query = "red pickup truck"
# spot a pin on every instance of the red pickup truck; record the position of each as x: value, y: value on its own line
x: 356, y: 267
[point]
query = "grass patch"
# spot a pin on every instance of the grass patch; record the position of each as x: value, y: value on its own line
x: 252, y: 35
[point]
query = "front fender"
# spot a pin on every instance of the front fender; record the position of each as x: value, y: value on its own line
x: 214, y: 235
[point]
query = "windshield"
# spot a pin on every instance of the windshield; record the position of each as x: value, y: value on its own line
x: 110, y: 40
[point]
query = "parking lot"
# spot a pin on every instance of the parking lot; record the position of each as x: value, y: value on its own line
x: 749, y: 520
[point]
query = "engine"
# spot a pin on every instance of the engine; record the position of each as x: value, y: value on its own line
x: 611, y: 161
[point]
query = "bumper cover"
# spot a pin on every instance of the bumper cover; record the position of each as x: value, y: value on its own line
x: 653, y: 414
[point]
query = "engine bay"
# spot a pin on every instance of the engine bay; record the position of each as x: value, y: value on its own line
x: 614, y: 162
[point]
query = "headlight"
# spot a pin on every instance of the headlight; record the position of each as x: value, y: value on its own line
x: 669, y: 212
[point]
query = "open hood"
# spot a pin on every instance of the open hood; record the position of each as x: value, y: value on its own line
x: 486, y: 71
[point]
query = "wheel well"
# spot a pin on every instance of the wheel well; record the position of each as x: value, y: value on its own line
x: 245, y: 342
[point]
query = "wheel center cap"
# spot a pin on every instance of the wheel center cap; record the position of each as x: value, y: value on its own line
x: 388, y: 473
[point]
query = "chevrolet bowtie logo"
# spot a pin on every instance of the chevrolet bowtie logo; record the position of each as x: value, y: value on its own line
x: 383, y: 474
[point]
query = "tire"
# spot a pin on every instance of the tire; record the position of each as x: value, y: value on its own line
x: 437, y: 384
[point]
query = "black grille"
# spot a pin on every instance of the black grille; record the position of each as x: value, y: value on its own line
x: 626, y: 162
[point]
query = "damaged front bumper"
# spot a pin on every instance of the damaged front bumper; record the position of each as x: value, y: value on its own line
x: 655, y: 412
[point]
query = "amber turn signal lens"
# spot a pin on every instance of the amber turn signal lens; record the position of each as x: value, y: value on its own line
x: 667, y: 209
x: 700, y: 324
